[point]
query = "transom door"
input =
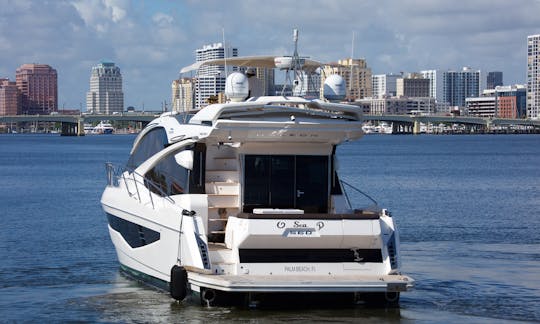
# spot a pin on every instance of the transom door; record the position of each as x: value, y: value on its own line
x: 286, y: 181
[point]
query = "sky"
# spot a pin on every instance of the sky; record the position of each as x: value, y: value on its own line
x: 151, y: 40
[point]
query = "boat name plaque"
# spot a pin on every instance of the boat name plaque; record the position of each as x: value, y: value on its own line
x: 299, y: 229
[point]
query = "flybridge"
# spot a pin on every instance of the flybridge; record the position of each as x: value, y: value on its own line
x: 277, y: 105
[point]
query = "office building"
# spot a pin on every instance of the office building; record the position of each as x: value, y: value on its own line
x: 38, y: 84
x: 501, y: 102
x: 356, y: 74
x: 210, y: 79
x: 414, y: 85
x: 435, y: 78
x: 533, y: 76
x: 182, y: 95
x: 10, y: 99
x: 397, y: 106
x: 459, y: 85
x: 105, y: 95
x: 384, y: 85
x: 262, y: 81
x: 494, y: 79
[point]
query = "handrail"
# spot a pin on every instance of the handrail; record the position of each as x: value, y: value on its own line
x: 114, y: 174
x: 357, y: 190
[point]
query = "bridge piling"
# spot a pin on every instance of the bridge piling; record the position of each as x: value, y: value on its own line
x: 72, y: 129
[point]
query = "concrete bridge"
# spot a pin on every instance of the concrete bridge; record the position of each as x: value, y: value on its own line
x: 73, y: 125
x: 411, y: 124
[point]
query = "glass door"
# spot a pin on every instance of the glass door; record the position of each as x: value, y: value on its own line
x: 312, y: 183
x: 286, y: 181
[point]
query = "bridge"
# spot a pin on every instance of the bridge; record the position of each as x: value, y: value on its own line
x: 74, y: 124
x: 411, y: 123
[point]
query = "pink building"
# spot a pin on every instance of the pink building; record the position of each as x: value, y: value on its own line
x: 39, y: 89
x: 10, y: 99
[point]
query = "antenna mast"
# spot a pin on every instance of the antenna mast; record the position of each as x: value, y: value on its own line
x: 224, y: 51
x: 351, y: 72
x: 297, y: 65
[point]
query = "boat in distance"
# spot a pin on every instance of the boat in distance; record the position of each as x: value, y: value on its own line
x: 245, y: 199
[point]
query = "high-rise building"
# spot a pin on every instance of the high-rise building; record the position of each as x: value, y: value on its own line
x: 211, y: 78
x: 501, y: 102
x: 459, y: 85
x: 356, y: 74
x: 10, y: 99
x: 265, y: 79
x: 494, y: 79
x: 435, y: 84
x: 414, y: 85
x: 384, y: 85
x: 182, y: 95
x: 105, y: 95
x: 38, y: 85
x: 533, y: 76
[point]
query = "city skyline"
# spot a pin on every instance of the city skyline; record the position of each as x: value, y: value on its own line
x: 151, y: 40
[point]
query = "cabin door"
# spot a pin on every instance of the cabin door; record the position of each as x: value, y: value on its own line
x: 312, y: 183
x: 286, y: 181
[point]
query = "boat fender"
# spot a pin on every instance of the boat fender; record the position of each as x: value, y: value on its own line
x: 391, y: 297
x: 208, y: 296
x: 179, y: 283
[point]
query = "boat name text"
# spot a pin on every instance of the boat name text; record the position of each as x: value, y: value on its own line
x: 298, y: 224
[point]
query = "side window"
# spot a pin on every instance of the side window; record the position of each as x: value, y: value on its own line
x: 153, y: 142
x: 197, y: 175
x: 167, y: 177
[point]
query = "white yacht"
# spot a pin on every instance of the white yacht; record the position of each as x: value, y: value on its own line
x: 88, y: 128
x: 244, y: 199
x: 103, y: 127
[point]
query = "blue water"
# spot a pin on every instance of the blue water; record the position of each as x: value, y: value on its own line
x: 467, y: 207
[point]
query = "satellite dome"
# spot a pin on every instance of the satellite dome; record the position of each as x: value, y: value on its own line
x: 236, y: 87
x: 284, y: 62
x: 334, y: 88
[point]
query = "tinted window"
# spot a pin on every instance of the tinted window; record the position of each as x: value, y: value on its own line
x: 286, y: 181
x: 167, y: 177
x: 153, y: 142
x: 196, y: 178
x: 257, y: 184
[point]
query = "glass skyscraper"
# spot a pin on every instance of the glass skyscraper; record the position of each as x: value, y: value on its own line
x: 533, y: 76
x: 459, y: 85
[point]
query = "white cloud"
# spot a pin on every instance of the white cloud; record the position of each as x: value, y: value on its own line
x: 162, y: 20
x: 151, y: 40
x: 101, y: 14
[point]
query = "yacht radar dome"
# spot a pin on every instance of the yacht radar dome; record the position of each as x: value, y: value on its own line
x: 237, y: 87
x: 283, y: 62
x: 334, y: 88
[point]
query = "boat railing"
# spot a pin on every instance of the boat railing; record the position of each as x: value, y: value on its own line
x: 116, y: 174
x: 374, y: 206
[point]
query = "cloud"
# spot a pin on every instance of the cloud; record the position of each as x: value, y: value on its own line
x: 152, y: 40
x: 101, y: 14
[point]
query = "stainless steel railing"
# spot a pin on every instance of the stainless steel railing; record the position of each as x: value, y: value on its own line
x: 375, y: 205
x: 132, y: 181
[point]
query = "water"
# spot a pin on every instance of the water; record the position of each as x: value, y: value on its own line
x: 467, y: 207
